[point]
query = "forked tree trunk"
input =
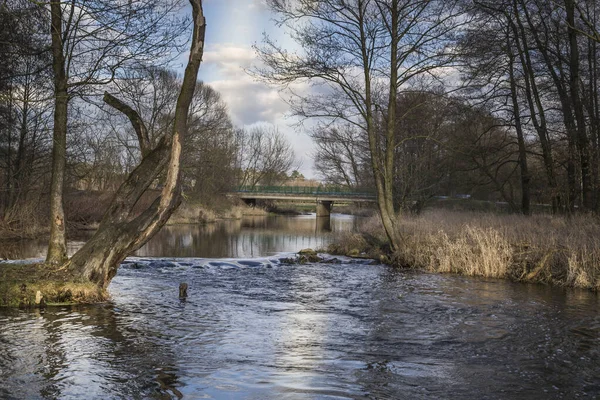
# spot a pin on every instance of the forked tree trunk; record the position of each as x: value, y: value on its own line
x: 121, y: 233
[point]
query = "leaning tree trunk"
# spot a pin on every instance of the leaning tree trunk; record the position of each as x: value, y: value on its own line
x: 121, y: 233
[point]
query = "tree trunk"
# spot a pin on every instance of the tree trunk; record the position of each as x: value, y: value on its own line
x: 537, y: 111
x: 120, y: 233
x: 591, y: 104
x: 8, y: 188
x: 20, y: 176
x: 382, y: 154
x: 558, y: 77
x: 57, y: 245
x: 525, y: 198
x: 581, y: 132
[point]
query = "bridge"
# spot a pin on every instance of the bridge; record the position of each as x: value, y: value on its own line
x: 324, y: 196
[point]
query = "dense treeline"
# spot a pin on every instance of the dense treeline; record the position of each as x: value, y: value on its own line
x: 98, y: 78
x: 508, y: 110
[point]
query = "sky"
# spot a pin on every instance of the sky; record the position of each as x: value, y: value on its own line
x: 233, y: 26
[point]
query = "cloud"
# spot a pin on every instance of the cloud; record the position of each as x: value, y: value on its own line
x: 229, y: 58
x: 249, y: 100
x: 258, y: 5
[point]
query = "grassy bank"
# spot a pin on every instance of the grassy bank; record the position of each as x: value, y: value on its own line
x: 36, y: 285
x: 539, y: 249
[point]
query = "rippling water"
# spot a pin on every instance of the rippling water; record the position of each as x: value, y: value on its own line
x: 257, y: 328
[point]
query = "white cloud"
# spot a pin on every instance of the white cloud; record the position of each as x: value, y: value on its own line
x: 252, y: 102
x: 228, y: 60
x: 229, y: 53
x: 249, y: 100
x: 258, y: 5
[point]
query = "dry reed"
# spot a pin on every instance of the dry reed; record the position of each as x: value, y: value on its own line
x: 557, y: 250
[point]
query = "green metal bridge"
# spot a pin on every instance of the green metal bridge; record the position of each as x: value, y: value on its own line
x: 304, y: 193
x: 324, y: 196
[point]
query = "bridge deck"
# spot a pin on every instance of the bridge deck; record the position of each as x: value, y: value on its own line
x: 301, y: 193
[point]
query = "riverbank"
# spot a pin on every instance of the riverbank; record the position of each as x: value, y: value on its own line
x: 37, y: 285
x: 84, y: 215
x: 193, y: 212
x: 560, y: 251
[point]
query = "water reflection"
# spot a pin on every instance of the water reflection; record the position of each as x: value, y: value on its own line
x: 83, y: 352
x: 248, y: 237
x: 256, y: 328
x: 36, y: 248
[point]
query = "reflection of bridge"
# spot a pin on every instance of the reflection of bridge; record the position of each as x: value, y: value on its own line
x: 323, y: 195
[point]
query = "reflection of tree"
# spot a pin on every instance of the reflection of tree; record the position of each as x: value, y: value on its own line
x: 219, y: 239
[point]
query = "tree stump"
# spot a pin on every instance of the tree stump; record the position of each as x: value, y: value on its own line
x: 183, y: 287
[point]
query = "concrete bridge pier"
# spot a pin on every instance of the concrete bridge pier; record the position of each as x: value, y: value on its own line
x: 324, y: 208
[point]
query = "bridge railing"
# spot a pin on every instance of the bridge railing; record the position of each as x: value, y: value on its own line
x: 330, y: 190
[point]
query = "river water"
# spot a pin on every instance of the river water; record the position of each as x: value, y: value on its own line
x: 255, y: 328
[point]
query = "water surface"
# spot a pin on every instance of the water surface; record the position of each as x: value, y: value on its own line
x: 257, y: 328
x: 246, y: 237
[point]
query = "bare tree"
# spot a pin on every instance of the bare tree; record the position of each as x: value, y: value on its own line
x: 361, y: 53
x: 545, y: 54
x: 93, y: 41
x: 121, y: 230
x: 24, y: 109
x: 210, y: 156
x: 266, y: 157
x: 210, y: 151
x: 341, y: 155
x: 424, y: 133
x: 499, y: 77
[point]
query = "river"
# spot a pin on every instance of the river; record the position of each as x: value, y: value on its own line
x: 254, y: 327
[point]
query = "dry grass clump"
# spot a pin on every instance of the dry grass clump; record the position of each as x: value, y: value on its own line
x: 25, y: 221
x: 549, y: 249
x: 252, y: 211
x: 542, y: 248
x: 235, y: 212
x: 475, y: 251
x: 196, y: 212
